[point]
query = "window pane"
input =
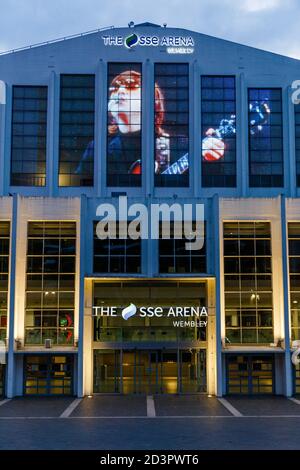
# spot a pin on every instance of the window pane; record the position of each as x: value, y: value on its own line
x: 175, y: 258
x: 116, y: 255
x: 297, y: 141
x: 265, y: 137
x: 76, y: 130
x: 218, y: 134
x: 248, y: 282
x: 4, y: 267
x: 50, y: 254
x: 29, y: 127
x: 171, y: 123
x: 294, y: 274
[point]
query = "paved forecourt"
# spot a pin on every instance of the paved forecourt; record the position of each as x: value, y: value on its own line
x: 157, y: 406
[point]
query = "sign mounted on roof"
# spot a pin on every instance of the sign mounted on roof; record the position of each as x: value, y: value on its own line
x: 174, y: 44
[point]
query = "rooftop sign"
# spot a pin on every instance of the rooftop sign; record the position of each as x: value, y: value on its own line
x: 174, y: 44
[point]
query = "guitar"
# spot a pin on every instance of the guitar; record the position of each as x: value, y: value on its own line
x: 211, y: 150
x: 226, y: 127
x: 177, y: 168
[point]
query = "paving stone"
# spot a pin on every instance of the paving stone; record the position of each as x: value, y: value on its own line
x: 35, y: 406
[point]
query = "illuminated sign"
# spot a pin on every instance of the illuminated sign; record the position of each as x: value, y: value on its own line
x: 148, y: 311
x: 174, y: 44
x: 178, y: 316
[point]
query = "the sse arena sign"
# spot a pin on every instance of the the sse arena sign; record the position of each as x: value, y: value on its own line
x: 174, y: 44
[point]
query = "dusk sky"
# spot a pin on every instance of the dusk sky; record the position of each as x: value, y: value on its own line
x: 267, y: 24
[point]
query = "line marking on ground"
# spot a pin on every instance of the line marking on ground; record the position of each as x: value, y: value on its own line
x: 70, y: 408
x: 294, y: 400
x: 28, y: 417
x: 230, y: 408
x: 150, y: 407
x: 186, y: 417
x: 2, y: 402
x: 11, y: 418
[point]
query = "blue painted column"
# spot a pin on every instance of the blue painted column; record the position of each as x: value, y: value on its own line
x: 2, y: 131
x: 83, y: 229
x: 289, y: 144
x: 10, y: 378
x: 219, y: 372
x: 6, y: 147
x: 285, y: 274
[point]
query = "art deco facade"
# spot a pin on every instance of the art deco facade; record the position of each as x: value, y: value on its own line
x: 159, y: 115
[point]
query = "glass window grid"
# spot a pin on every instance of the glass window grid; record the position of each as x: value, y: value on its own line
x: 76, y: 130
x: 173, y: 81
x: 189, y: 261
x: 28, y: 136
x: 48, y: 375
x: 267, y: 160
x: 125, y: 261
x: 294, y: 277
x: 250, y: 374
x: 256, y: 333
x: 218, y: 101
x: 118, y: 172
x: 4, y: 271
x: 297, y: 141
x: 38, y: 308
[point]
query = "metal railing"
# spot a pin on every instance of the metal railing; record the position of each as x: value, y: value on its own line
x: 58, y: 336
x: 52, y: 41
x: 157, y: 334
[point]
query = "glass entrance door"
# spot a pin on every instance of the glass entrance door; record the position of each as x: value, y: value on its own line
x: 169, y: 371
x: 155, y: 373
x: 150, y: 372
x: 141, y: 371
x: 48, y: 375
x: 296, y: 379
x: 192, y: 371
x: 107, y: 371
x: 250, y: 374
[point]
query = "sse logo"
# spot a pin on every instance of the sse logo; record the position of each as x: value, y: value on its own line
x: 129, y: 311
x: 134, y: 40
x: 131, y: 40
